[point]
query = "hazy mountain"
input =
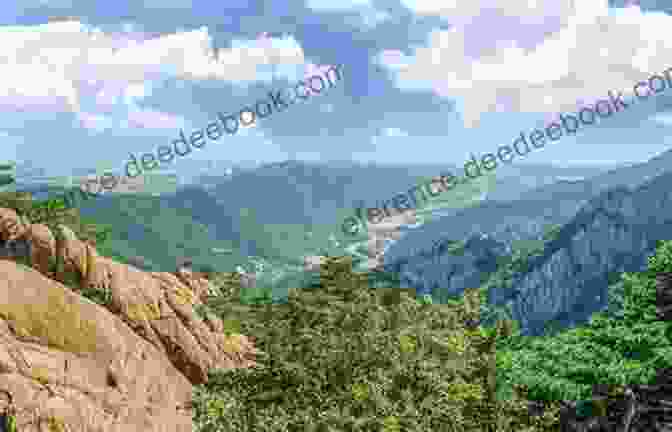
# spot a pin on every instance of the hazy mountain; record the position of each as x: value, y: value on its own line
x: 312, y: 192
x: 525, y: 217
x: 262, y: 210
x: 515, y: 180
x: 609, y: 224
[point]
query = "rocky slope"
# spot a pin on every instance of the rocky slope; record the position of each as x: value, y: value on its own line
x: 69, y: 364
x: 127, y: 364
x: 613, y: 232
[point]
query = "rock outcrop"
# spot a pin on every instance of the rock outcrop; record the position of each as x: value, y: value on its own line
x: 127, y: 364
x: 69, y: 364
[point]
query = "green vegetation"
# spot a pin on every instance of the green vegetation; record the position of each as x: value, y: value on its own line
x: 52, y: 213
x: 517, y: 262
x: 616, y: 350
x: 551, y: 232
x: 55, y: 321
x: 7, y: 179
x: 460, y: 196
x: 455, y: 247
x: 10, y: 423
x: 340, y: 357
x: 144, y: 227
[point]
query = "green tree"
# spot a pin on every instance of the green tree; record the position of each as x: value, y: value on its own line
x: 338, y: 357
x: 617, y: 349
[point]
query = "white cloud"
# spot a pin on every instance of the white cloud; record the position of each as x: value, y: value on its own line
x: 55, y: 66
x: 567, y: 65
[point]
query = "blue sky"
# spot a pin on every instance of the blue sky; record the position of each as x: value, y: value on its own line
x: 424, y: 80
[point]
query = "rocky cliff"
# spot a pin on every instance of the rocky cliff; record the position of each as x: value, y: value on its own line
x: 567, y: 281
x: 615, y: 232
x: 449, y: 269
x: 127, y: 363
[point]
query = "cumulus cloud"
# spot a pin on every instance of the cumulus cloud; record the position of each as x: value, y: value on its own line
x: 59, y: 65
x: 577, y: 52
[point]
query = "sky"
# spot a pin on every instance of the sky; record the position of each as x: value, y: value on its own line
x: 86, y: 83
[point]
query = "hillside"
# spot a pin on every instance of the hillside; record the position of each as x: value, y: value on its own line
x: 146, y: 227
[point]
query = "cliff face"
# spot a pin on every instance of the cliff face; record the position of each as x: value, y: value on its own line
x: 615, y: 232
x: 445, y: 272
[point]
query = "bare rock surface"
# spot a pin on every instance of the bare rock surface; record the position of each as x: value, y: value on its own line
x: 71, y: 364
x: 127, y: 365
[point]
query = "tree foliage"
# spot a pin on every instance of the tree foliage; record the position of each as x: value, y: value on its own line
x: 617, y: 347
x: 343, y: 357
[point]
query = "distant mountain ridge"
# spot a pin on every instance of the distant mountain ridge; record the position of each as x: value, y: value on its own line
x: 263, y: 210
x: 615, y: 232
x: 610, y: 224
x: 525, y: 217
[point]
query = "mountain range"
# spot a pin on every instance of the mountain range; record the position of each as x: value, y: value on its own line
x: 602, y: 225
x: 286, y: 210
